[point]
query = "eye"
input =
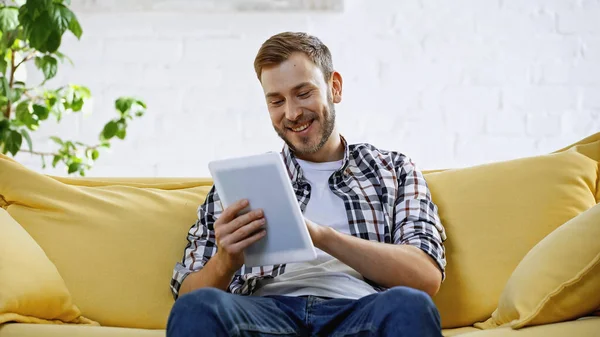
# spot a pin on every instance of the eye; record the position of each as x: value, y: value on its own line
x: 277, y: 102
x: 305, y: 94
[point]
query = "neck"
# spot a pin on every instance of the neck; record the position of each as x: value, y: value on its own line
x: 332, y: 150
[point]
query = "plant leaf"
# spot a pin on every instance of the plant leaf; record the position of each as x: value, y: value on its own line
x: 84, y: 92
x: 53, y: 42
x: 36, y: 7
x: 77, y: 104
x: 4, y: 125
x: 24, y: 115
x: 25, y: 17
x: 123, y: 104
x: 110, y: 130
x: 95, y: 154
x: 57, y: 140
x: 13, y: 142
x: 4, y: 87
x: 141, y: 103
x: 62, y: 57
x: 39, y: 31
x: 27, y: 137
x: 48, y: 65
x: 41, y: 112
x: 74, y: 167
x: 61, y: 17
x: 75, y: 27
x: 122, y: 132
x: 3, y: 65
x: 9, y: 18
x: 56, y: 160
x: 16, y: 93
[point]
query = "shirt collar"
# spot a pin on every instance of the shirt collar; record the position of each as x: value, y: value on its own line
x: 294, y: 169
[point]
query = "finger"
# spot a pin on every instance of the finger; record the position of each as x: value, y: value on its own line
x: 245, y: 231
x: 242, y: 245
x: 231, y: 212
x: 244, y: 220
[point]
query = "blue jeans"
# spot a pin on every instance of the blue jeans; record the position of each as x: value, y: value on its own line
x: 399, y: 311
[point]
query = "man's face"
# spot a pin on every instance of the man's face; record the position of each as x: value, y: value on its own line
x: 300, y: 103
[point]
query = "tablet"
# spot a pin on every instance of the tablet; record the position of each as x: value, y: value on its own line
x: 264, y: 181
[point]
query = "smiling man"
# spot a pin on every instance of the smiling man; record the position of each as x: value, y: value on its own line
x: 369, y: 212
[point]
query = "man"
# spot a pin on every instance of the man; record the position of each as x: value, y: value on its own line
x: 369, y: 213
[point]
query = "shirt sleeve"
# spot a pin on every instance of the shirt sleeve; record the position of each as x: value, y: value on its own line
x: 202, y: 244
x: 417, y: 222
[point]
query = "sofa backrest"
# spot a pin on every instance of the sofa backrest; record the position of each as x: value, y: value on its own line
x: 115, y: 241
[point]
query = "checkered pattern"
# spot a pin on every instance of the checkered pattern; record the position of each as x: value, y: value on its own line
x: 386, y: 198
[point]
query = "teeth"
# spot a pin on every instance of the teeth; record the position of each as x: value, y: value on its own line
x: 301, y: 128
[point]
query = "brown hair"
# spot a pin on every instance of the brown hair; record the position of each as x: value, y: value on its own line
x: 278, y: 48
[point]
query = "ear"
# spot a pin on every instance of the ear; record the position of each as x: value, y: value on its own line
x: 336, y: 87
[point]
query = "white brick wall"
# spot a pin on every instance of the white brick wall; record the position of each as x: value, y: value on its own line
x: 450, y: 83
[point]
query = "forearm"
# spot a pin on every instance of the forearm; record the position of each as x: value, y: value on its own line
x: 385, y: 264
x: 213, y: 275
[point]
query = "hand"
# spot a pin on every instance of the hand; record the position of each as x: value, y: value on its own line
x: 316, y: 232
x: 235, y: 233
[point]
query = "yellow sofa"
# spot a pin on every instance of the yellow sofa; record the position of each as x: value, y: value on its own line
x: 109, y: 246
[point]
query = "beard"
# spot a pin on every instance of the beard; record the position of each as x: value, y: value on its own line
x: 307, y: 145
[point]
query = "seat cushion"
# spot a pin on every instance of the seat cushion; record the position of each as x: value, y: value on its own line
x: 32, y: 330
x: 458, y: 331
x: 558, y: 280
x: 114, y: 242
x: 31, y: 289
x: 494, y: 214
x: 586, y: 327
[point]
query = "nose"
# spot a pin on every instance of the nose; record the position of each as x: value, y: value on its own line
x: 292, y: 111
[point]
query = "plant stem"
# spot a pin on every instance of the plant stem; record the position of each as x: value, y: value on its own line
x: 38, y: 153
x: 27, y: 58
x: 10, y: 84
x: 31, y: 97
x: 13, y: 67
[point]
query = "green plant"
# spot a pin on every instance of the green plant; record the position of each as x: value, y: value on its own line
x: 32, y: 31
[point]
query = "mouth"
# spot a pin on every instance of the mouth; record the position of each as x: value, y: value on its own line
x: 302, y: 128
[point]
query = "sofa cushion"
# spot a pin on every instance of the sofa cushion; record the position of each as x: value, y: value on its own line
x: 31, y: 330
x: 114, y: 242
x: 495, y: 213
x: 586, y: 327
x: 558, y: 280
x: 31, y: 289
x: 458, y: 331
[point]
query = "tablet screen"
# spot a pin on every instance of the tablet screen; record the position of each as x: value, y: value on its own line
x: 262, y: 186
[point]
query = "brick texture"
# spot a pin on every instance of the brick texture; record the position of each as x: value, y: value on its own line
x: 449, y: 83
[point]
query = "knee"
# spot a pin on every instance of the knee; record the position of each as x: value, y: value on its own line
x: 408, y: 301
x: 195, y: 309
x: 411, y: 309
x: 199, y: 300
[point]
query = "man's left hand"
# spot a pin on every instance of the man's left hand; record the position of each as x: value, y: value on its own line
x: 316, y: 232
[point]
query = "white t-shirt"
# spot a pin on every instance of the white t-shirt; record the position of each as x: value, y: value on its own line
x: 324, y: 207
x: 325, y: 276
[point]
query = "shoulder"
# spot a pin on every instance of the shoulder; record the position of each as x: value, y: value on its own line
x: 367, y: 154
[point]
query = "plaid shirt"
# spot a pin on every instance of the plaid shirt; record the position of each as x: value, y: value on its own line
x: 386, y: 198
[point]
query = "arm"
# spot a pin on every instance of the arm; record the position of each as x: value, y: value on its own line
x: 233, y: 234
x: 415, y: 259
x: 203, y: 264
x: 213, y: 275
x: 385, y: 264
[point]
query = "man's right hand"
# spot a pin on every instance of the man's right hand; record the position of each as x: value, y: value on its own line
x: 235, y: 233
